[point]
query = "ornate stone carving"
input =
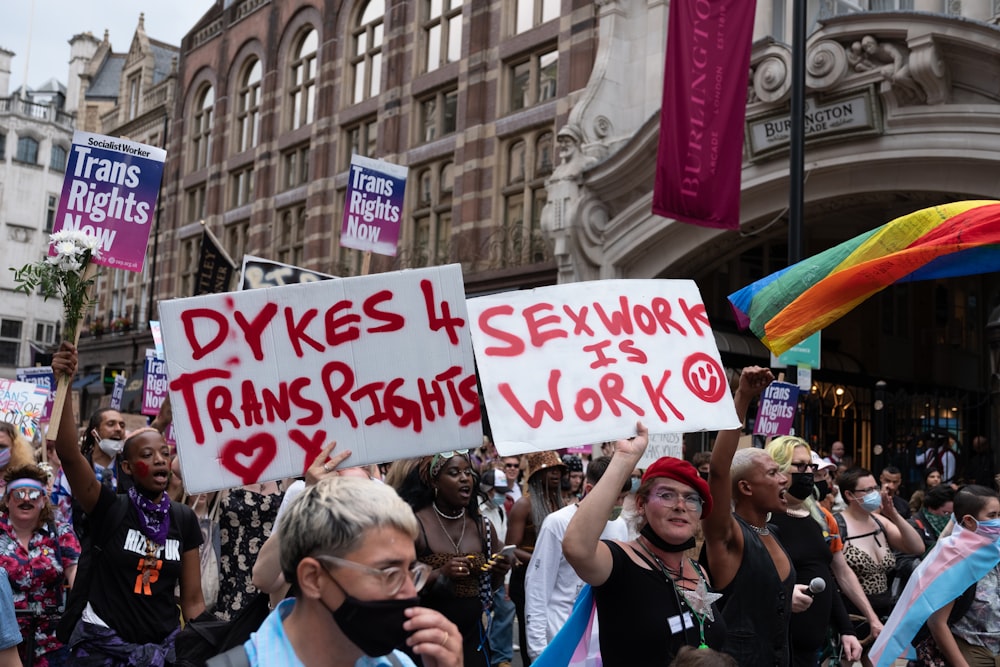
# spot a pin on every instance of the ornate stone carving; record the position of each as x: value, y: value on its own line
x: 892, y: 62
x: 771, y: 79
x: 930, y: 70
x: 826, y: 64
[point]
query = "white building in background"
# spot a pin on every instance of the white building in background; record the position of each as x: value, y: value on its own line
x: 35, y: 137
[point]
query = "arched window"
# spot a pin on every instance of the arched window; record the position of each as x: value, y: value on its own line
x: 302, y: 79
x: 27, y: 150
x: 366, y: 61
x: 57, y: 160
x: 201, y: 128
x: 529, y: 161
x: 543, y: 154
x: 248, y: 106
x: 515, y: 163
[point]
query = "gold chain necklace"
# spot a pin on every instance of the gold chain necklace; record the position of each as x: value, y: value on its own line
x: 456, y: 545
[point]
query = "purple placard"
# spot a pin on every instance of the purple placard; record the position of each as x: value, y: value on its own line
x: 776, y: 412
x: 154, y: 386
x: 118, y: 392
x: 110, y: 191
x: 44, y: 377
x: 373, y: 208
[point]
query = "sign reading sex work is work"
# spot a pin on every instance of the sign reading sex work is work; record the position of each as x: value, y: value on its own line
x: 261, y: 380
x: 584, y: 361
x: 110, y: 191
x: 373, y: 208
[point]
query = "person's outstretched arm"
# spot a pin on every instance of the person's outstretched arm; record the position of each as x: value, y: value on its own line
x: 723, y: 538
x: 79, y: 472
x: 582, y: 544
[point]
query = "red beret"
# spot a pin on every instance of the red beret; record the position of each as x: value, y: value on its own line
x: 685, y: 473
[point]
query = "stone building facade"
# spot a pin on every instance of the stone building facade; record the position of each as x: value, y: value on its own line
x: 530, y: 130
x: 35, y: 136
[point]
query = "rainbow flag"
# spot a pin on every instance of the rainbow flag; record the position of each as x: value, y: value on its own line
x: 955, y: 563
x: 957, y: 239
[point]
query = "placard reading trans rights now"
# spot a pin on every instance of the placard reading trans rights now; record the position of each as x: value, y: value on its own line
x: 110, y: 192
x: 373, y: 208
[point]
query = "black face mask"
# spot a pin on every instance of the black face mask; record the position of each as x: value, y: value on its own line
x: 703, y: 475
x: 801, y: 486
x: 823, y: 488
x: 374, y: 626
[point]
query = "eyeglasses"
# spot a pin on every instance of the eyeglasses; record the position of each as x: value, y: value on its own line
x: 670, y: 499
x: 511, y: 465
x: 19, y: 495
x: 864, y: 492
x: 392, y: 578
x: 803, y: 467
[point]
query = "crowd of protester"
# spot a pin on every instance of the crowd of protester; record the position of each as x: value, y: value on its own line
x: 783, y: 556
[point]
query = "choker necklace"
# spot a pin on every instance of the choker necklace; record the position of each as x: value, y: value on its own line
x: 661, y: 544
x: 762, y: 531
x: 448, y: 516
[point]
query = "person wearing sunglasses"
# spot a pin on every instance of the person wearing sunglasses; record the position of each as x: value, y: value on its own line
x: 347, y: 548
x: 810, y: 536
x: 15, y: 450
x: 39, y: 555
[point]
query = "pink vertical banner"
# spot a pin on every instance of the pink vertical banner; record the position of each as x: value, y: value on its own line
x: 700, y: 155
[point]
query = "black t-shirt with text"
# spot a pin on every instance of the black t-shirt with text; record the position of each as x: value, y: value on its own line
x: 132, y: 591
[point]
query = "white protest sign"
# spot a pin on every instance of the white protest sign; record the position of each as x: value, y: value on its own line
x: 660, y: 445
x: 261, y: 380
x: 583, y: 362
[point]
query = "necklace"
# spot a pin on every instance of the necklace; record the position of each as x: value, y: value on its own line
x: 456, y: 545
x: 460, y: 515
x: 760, y: 531
x: 699, y: 602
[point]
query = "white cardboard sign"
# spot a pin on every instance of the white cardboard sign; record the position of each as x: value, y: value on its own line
x: 583, y: 362
x: 261, y: 380
x: 660, y: 445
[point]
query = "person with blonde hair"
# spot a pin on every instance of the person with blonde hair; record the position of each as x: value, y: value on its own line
x: 745, y: 561
x: 347, y: 547
x: 809, y: 534
x: 39, y: 553
x: 15, y: 450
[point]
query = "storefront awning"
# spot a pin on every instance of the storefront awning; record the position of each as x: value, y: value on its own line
x: 85, y: 380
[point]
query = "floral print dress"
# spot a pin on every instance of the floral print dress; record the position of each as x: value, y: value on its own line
x: 245, y: 521
x: 37, y: 578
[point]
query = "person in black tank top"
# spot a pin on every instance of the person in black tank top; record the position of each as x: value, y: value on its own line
x: 651, y: 600
x: 753, y: 571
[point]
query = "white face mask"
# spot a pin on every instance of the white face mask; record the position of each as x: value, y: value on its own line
x: 110, y: 447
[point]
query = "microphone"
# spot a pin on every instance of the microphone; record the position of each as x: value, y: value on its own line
x: 816, y: 586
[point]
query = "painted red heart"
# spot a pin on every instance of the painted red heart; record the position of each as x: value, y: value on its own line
x: 260, y: 449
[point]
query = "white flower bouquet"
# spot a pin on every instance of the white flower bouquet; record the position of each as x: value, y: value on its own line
x: 69, y: 273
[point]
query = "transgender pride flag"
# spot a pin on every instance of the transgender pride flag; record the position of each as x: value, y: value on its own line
x: 955, y: 563
x: 576, y: 643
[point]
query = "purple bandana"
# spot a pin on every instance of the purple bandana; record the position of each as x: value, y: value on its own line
x: 154, y: 518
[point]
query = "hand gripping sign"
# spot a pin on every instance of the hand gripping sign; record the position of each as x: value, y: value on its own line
x: 261, y: 380
x: 583, y: 362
